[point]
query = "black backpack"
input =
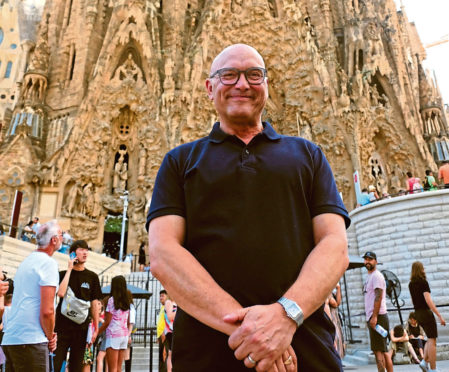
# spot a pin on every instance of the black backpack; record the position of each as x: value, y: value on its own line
x: 426, y: 183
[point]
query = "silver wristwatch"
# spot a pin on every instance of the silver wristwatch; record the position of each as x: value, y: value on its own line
x: 292, y: 310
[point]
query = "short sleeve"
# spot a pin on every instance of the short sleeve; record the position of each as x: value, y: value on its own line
x: 61, y: 275
x: 132, y: 314
x: 425, y: 286
x: 325, y: 195
x: 48, y: 273
x: 110, y: 306
x: 378, y: 281
x: 96, y: 293
x: 168, y: 193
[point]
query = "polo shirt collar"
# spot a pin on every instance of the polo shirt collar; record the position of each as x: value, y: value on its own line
x: 217, y: 135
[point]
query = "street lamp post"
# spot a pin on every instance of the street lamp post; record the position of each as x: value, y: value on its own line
x: 122, y: 237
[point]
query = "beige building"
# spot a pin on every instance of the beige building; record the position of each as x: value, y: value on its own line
x: 18, y: 23
x: 112, y: 86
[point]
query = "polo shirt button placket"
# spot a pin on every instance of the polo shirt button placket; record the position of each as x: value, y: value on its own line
x: 245, y: 156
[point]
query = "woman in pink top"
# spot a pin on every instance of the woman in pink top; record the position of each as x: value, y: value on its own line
x: 116, y: 324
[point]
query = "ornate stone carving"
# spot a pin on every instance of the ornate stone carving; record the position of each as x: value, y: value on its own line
x: 338, y: 75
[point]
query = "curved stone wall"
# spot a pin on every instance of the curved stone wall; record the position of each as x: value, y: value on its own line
x: 401, y: 230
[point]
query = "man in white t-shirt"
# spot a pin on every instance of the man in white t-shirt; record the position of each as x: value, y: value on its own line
x: 376, y: 312
x: 29, y: 335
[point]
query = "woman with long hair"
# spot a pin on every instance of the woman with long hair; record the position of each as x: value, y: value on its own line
x: 116, y: 324
x: 424, y: 306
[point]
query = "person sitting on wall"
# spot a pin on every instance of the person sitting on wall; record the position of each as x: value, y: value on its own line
x: 443, y: 173
x: 28, y: 233
x: 364, y: 199
x: 373, y: 195
x: 413, y: 184
x: 400, y: 345
x: 416, y: 334
x: 429, y: 182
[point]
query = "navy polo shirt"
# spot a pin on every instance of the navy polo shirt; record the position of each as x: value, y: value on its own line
x: 248, y: 211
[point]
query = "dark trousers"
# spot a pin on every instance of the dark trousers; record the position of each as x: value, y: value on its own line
x: 162, y: 363
x: 417, y: 343
x: 27, y: 358
x: 8, y: 364
x: 75, y: 339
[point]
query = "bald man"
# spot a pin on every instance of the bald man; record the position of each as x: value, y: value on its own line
x: 247, y: 232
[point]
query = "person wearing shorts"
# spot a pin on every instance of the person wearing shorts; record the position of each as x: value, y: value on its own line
x: 424, y: 310
x: 376, y: 312
x: 116, y: 324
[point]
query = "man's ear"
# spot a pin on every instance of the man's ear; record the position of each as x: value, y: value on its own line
x: 209, y: 89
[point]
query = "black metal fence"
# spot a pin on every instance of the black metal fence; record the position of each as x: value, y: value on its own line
x: 147, y: 309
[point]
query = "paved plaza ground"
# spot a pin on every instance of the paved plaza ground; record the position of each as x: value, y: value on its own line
x: 443, y: 366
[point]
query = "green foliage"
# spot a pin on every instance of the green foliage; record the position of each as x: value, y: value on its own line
x: 114, y: 224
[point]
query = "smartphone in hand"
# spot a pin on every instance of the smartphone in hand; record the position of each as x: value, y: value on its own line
x: 72, y: 255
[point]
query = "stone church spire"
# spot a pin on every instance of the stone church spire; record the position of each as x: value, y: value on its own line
x: 35, y: 79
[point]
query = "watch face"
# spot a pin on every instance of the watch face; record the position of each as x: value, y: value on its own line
x: 294, y: 310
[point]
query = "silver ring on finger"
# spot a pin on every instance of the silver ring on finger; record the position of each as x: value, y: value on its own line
x: 251, y: 360
x: 288, y: 361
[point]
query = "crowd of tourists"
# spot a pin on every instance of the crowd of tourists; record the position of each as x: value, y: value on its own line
x: 414, y: 342
x: 413, y: 185
x: 36, y: 336
x: 246, y: 231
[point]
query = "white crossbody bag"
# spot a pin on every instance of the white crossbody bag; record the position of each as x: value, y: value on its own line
x: 73, y: 308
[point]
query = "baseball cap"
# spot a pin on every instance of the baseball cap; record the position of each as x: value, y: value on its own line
x: 370, y: 255
x: 78, y: 244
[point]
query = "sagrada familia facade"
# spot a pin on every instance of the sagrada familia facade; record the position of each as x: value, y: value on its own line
x: 109, y: 87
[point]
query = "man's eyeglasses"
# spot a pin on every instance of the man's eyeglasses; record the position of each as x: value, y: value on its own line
x: 230, y: 76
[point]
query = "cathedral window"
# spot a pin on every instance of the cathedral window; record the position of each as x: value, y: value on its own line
x: 439, y: 150
x: 36, y: 126
x: 13, y: 46
x: 12, y: 128
x: 1, y: 35
x: 445, y: 150
x: 8, y: 70
x: 29, y: 119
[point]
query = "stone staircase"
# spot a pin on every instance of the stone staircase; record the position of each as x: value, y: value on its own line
x: 359, y: 354
x: 141, y: 359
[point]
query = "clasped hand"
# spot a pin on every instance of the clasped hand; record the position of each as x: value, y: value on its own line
x: 265, y: 333
x: 3, y: 288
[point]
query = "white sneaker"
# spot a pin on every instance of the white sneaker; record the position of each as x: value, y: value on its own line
x: 423, y: 366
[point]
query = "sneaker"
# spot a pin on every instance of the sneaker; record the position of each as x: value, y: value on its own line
x: 423, y: 366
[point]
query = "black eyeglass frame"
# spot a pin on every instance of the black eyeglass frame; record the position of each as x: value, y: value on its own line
x: 239, y: 72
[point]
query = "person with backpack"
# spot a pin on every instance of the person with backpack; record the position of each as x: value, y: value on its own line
x: 429, y: 182
x: 413, y: 184
x: 80, y: 294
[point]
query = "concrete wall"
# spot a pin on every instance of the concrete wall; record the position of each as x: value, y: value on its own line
x: 401, y: 230
x: 13, y: 251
